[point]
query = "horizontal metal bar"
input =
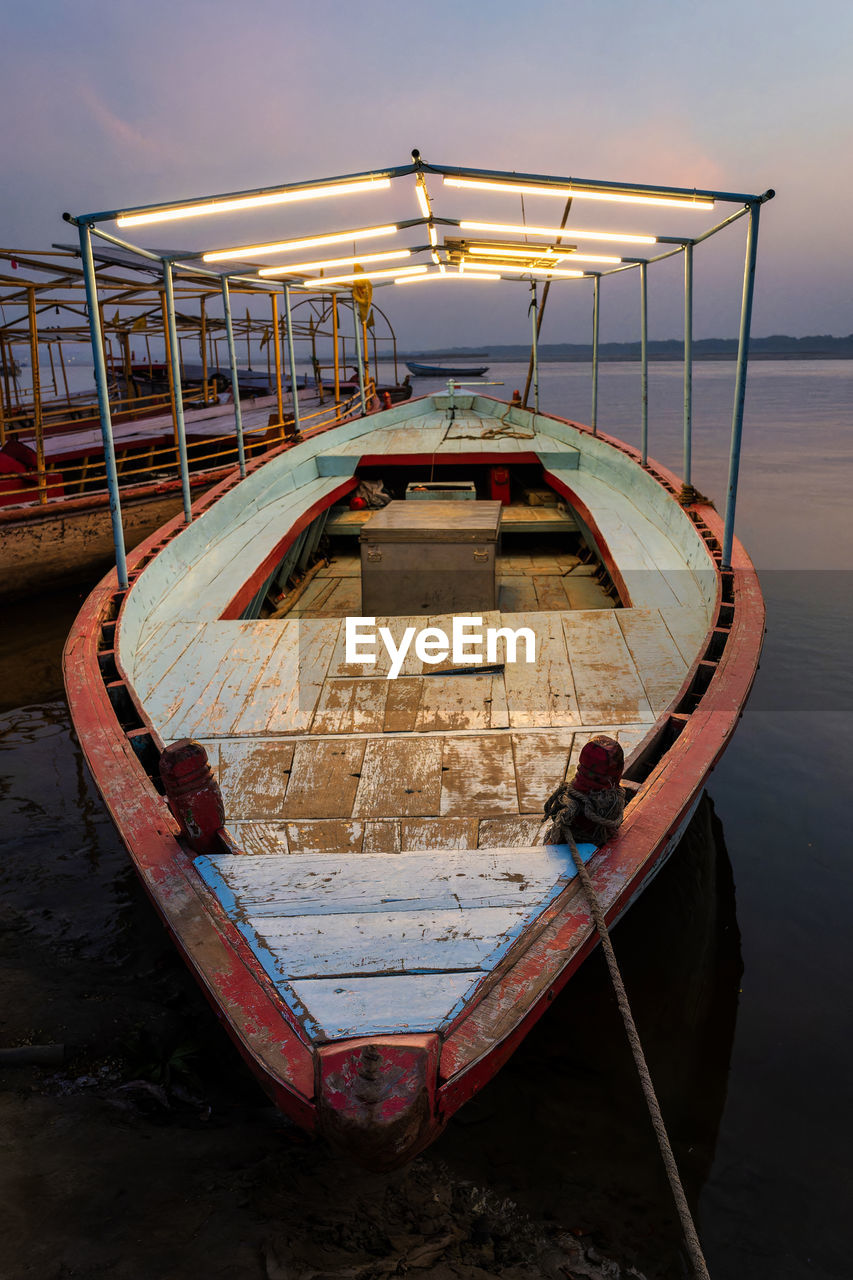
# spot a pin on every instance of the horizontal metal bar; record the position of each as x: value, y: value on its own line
x: 589, y: 184
x: 111, y: 214
x: 175, y: 258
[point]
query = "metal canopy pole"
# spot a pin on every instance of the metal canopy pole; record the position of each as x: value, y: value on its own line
x: 103, y: 399
x: 596, y: 291
x: 291, y: 360
x: 740, y: 380
x: 644, y: 361
x: 358, y: 356
x: 276, y: 334
x: 534, y: 311
x: 688, y: 364
x: 235, y: 383
x: 175, y: 376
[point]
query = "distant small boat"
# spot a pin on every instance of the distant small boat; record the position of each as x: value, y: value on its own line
x: 446, y: 371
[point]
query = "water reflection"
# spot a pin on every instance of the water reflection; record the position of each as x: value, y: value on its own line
x: 565, y: 1125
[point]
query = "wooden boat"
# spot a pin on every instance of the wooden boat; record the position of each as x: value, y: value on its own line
x: 346, y: 851
x: 446, y: 371
x: 55, y: 512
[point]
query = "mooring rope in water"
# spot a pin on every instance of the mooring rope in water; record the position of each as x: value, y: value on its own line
x: 688, y: 1226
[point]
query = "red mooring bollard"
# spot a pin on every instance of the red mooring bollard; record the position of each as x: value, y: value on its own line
x: 193, y: 794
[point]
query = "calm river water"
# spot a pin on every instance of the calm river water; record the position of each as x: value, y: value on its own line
x: 146, y: 1151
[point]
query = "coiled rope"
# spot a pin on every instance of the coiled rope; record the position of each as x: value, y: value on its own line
x: 688, y: 1226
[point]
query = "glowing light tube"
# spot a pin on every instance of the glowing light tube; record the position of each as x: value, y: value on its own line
x: 443, y: 275
x: 239, y: 252
x: 620, y: 197
x: 298, y: 268
x: 365, y: 275
x: 250, y: 202
x: 521, y: 269
x: 552, y: 232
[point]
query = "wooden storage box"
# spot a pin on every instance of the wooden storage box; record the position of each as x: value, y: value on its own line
x: 441, y: 491
x: 430, y: 557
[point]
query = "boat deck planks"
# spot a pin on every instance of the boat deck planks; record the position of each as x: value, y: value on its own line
x: 654, y: 653
x: 609, y: 688
x: 332, y: 933
x: 383, y: 829
x: 400, y: 776
x: 324, y: 778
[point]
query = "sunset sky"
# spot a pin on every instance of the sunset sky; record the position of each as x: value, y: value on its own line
x: 116, y: 104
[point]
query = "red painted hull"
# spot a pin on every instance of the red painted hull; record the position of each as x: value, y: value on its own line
x: 309, y: 1083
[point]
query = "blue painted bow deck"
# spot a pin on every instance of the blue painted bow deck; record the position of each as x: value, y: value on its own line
x: 385, y: 828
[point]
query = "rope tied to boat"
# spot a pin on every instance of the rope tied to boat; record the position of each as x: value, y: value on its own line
x: 575, y: 809
x: 591, y: 804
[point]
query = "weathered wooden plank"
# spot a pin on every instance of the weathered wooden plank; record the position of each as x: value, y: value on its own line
x: 373, y: 1006
x: 219, y: 707
x: 609, y: 691
x: 632, y: 737
x: 381, y: 667
x: 499, y: 718
x: 324, y: 778
x: 477, y: 777
x: 351, y: 706
x: 260, y: 838
x: 541, y: 761
x: 382, y: 836
x: 181, y: 691
x: 334, y: 836
x: 162, y: 650
x: 253, y: 777
x: 455, y: 702
x: 400, y: 777
x: 583, y: 592
x: 499, y: 832
x: 656, y: 656
x: 345, y: 600
x: 295, y: 885
x: 401, y: 707
x: 438, y: 833
x: 293, y: 701
x: 517, y: 594
x: 550, y: 593
x: 542, y: 693
x: 688, y: 628
x: 380, y: 942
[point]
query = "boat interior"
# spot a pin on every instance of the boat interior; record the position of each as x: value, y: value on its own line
x: 330, y: 771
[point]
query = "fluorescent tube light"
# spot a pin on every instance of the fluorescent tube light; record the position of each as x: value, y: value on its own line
x: 249, y: 202
x: 443, y: 275
x: 288, y: 246
x: 423, y: 199
x: 620, y: 197
x: 522, y: 269
x: 553, y: 232
x: 297, y: 268
x: 365, y: 275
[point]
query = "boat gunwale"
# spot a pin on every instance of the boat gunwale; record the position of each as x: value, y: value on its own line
x: 172, y: 860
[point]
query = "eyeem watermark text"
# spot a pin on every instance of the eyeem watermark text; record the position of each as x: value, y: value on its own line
x: 466, y: 644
